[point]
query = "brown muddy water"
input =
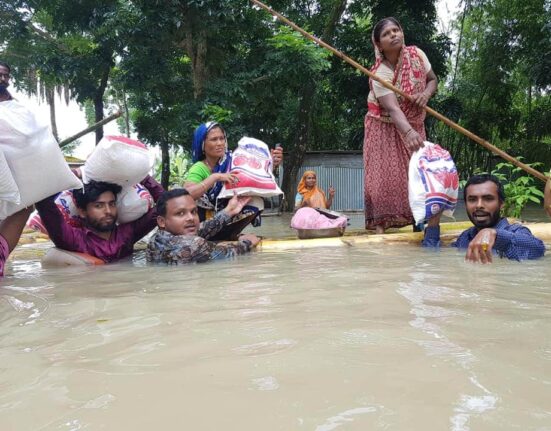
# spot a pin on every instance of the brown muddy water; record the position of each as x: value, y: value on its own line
x: 360, y: 338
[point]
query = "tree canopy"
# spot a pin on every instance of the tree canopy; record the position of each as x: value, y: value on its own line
x: 177, y: 63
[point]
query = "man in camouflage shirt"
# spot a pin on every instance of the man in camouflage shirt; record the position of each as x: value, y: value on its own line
x: 182, y: 239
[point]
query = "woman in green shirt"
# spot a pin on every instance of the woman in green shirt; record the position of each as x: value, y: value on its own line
x: 211, y: 163
x: 211, y: 160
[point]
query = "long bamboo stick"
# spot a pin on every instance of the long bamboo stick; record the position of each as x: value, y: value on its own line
x: 90, y: 129
x: 429, y: 110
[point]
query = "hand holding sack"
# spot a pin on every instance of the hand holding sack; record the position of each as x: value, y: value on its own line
x: 252, y: 164
x: 33, y: 157
x: 433, y: 183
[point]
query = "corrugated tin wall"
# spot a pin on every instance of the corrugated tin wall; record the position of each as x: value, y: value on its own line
x: 344, y: 172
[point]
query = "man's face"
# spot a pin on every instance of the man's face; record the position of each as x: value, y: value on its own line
x: 101, y: 215
x: 483, y: 205
x: 181, y: 216
x: 4, y: 78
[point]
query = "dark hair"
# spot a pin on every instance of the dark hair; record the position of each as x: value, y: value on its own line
x: 92, y: 192
x: 484, y: 178
x: 6, y: 65
x: 378, y: 29
x: 166, y: 196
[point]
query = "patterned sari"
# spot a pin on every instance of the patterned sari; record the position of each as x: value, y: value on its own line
x: 386, y: 157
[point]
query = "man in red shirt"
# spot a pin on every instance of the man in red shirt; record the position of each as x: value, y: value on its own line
x: 101, y: 237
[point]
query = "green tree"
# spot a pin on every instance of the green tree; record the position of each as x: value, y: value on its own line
x: 501, y: 87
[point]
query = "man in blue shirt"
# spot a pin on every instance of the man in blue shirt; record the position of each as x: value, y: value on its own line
x: 491, y: 233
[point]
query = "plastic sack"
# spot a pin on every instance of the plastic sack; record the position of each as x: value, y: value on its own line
x: 132, y: 203
x: 118, y: 160
x: 33, y: 156
x: 310, y: 218
x: 433, y: 182
x: 252, y: 164
x: 8, y: 188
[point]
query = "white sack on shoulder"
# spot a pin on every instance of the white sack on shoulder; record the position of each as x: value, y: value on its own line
x: 433, y: 183
x: 119, y: 160
x: 252, y: 164
x: 33, y: 156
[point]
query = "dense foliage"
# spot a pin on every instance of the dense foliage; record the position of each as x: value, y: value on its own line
x: 175, y: 63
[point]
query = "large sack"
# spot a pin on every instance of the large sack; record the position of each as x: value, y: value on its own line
x: 433, y: 182
x: 118, y: 160
x: 8, y: 189
x: 33, y: 156
x: 252, y: 164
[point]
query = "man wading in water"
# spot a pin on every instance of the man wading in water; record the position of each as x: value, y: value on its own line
x: 491, y: 233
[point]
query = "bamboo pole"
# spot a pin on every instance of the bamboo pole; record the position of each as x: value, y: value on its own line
x: 90, y: 129
x: 430, y: 111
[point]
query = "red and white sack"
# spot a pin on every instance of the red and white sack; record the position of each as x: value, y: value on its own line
x: 252, y: 164
x: 433, y: 182
x: 119, y: 160
x: 34, y: 159
x: 132, y: 203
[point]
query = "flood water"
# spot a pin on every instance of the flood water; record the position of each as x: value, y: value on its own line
x: 369, y: 337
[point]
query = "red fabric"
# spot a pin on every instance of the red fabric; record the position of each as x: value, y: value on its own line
x: 386, y: 158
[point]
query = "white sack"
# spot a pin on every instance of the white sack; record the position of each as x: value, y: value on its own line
x: 8, y: 189
x: 118, y: 160
x: 33, y: 156
x: 133, y: 202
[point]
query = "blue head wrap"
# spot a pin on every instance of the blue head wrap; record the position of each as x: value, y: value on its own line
x: 198, y: 153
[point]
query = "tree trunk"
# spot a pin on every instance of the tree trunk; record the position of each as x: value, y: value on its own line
x: 98, y: 103
x: 50, y: 97
x: 165, y: 165
x: 194, y: 43
x: 304, y: 120
x: 300, y: 145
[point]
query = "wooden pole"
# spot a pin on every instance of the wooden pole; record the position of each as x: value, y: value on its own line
x: 430, y: 111
x: 90, y: 129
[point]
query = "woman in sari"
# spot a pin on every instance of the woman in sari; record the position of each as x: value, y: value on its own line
x: 393, y: 125
x: 211, y: 160
x: 310, y: 195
